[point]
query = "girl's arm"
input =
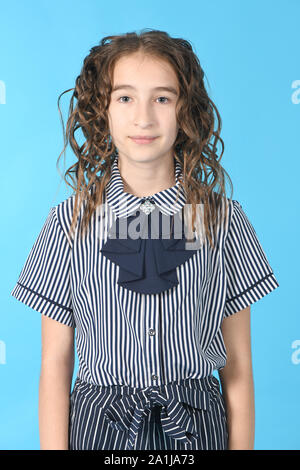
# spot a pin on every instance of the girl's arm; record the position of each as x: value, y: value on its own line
x: 57, y: 368
x: 237, y: 381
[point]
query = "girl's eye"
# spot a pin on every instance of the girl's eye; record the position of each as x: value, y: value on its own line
x: 164, y: 97
x: 121, y: 97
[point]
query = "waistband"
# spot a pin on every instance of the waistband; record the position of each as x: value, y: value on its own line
x: 208, y: 383
x: 125, y: 406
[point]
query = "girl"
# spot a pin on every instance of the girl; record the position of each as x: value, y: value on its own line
x: 155, y: 317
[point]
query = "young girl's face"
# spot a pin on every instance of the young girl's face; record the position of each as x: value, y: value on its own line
x: 139, y: 109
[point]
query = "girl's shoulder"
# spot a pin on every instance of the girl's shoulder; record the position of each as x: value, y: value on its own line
x: 229, y: 207
x: 64, y: 212
x: 235, y: 211
x: 65, y: 209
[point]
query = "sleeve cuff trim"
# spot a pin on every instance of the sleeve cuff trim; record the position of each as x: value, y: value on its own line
x: 46, y: 298
x: 251, y: 287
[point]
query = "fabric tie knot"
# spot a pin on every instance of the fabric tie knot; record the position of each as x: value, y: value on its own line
x: 127, y: 412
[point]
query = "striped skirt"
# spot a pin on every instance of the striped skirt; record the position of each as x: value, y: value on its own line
x: 187, y: 414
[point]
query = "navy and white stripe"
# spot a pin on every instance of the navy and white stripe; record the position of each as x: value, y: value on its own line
x: 127, y: 338
x: 44, y: 282
x: 192, y: 416
x: 73, y: 283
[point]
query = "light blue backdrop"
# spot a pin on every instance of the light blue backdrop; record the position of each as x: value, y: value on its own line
x: 250, y: 54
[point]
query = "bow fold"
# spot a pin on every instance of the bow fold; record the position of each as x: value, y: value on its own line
x: 148, y: 264
x: 126, y: 413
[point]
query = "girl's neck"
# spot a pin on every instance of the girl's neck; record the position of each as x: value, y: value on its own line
x: 146, y: 179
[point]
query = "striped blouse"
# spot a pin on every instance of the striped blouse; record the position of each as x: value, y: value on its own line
x: 124, y: 335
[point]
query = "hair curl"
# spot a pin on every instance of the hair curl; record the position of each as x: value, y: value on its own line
x: 195, y: 146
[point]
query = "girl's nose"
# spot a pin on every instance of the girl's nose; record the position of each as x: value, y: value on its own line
x: 144, y: 115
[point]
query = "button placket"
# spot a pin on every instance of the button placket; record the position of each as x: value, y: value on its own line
x: 151, y: 332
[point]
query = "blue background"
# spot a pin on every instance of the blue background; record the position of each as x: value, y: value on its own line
x: 249, y: 51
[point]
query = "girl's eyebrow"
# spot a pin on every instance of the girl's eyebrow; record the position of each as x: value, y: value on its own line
x: 158, y: 88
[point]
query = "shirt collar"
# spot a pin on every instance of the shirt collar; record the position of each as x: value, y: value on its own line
x: 123, y: 204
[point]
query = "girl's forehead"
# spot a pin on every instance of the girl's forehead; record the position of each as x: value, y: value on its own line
x: 148, y: 70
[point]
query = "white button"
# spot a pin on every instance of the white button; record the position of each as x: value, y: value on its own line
x: 154, y: 377
x: 151, y: 332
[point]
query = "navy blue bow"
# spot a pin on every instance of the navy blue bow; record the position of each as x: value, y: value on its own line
x: 147, y: 265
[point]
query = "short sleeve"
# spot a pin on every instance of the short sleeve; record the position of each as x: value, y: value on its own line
x: 44, y: 281
x: 249, y: 276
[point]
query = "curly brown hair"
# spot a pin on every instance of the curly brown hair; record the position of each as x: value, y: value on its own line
x: 196, y: 143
